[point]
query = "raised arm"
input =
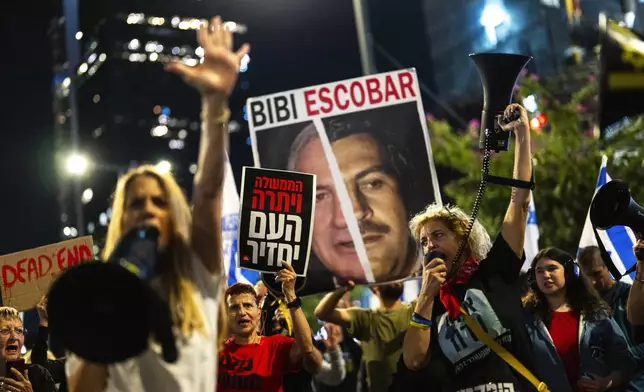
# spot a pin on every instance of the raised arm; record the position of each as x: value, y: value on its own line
x: 303, y: 346
x: 215, y: 79
x: 514, y: 223
x: 333, y: 371
x: 635, y: 304
x: 327, y: 310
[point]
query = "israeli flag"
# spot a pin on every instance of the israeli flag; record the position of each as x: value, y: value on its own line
x: 229, y: 227
x: 618, y: 240
x: 531, y: 242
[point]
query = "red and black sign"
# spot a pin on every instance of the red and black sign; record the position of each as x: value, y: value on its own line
x: 276, y: 219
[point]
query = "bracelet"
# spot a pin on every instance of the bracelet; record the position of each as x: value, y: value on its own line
x: 222, y: 119
x: 414, y: 324
x: 418, y: 319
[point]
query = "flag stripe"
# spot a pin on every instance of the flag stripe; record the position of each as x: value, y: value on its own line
x: 618, y: 240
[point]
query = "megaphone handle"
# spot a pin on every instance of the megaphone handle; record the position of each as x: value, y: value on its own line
x: 161, y: 327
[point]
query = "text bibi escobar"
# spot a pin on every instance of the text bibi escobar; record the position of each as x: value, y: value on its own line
x: 29, y: 269
x: 327, y: 98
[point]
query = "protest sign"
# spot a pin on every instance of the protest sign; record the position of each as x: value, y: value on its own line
x: 276, y: 220
x: 27, y: 275
x: 366, y: 141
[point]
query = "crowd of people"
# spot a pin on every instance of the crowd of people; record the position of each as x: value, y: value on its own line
x: 474, y: 327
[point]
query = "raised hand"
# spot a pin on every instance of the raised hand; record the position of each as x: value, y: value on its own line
x: 217, y: 73
x: 42, y: 311
x: 520, y: 125
x: 287, y: 277
x: 333, y: 336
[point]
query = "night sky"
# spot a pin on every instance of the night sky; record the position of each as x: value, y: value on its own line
x: 292, y: 46
x: 29, y: 206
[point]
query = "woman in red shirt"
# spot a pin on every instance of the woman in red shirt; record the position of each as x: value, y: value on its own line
x: 572, y: 318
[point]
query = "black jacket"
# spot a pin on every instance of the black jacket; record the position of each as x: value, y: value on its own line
x: 55, y: 367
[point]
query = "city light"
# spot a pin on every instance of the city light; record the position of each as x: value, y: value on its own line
x: 530, y: 103
x: 102, y: 219
x: 493, y: 16
x: 87, y: 196
x: 82, y: 68
x: 193, y: 168
x: 243, y: 65
x: 176, y: 144
x: 79, y: 35
x: 70, y: 231
x: 164, y: 167
x: 159, y: 131
x: 134, y: 44
x: 76, y: 165
x: 182, y: 134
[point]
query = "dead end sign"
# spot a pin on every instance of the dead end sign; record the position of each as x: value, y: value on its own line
x: 27, y: 275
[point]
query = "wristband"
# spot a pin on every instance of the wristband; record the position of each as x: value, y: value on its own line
x: 414, y: 324
x: 296, y: 303
x: 417, y: 318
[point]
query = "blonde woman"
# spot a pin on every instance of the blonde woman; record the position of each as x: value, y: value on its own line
x: 440, y: 353
x: 15, y: 375
x: 190, y: 244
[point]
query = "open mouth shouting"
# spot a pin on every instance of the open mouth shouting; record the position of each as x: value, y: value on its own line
x: 12, y: 350
x: 244, y: 323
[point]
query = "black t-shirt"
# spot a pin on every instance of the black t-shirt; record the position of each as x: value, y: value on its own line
x: 352, y: 354
x: 458, y: 361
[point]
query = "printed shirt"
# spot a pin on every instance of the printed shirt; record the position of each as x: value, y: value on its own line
x: 459, y: 362
x: 255, y: 367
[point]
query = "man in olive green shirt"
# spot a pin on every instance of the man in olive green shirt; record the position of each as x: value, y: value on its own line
x: 380, y: 331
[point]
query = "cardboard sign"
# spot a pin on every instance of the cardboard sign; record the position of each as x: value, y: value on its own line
x: 27, y: 275
x: 276, y: 220
x: 366, y: 141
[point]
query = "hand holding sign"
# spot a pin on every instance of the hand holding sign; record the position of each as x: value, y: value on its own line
x: 287, y: 277
x: 217, y: 74
x: 42, y: 311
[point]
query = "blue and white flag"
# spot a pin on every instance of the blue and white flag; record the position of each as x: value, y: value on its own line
x: 229, y: 227
x: 618, y: 240
x: 531, y: 242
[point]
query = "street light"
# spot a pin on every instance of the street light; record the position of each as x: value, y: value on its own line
x: 76, y: 165
x: 164, y: 167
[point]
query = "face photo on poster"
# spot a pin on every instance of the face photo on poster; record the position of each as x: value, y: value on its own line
x: 275, y: 220
x: 366, y: 141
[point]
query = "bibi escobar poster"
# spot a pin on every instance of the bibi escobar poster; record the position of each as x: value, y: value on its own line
x: 366, y: 141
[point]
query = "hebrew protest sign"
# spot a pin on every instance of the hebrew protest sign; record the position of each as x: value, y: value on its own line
x: 276, y: 220
x: 366, y: 141
x: 27, y: 275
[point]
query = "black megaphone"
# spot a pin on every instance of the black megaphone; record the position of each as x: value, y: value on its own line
x: 499, y: 73
x: 612, y: 205
x: 106, y: 312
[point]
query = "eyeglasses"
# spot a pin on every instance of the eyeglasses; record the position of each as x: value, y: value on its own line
x: 17, y: 331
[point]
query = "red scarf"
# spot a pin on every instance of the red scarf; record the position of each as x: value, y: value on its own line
x: 447, y: 294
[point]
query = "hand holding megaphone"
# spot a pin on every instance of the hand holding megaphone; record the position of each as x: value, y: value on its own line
x: 434, y: 274
x: 514, y: 119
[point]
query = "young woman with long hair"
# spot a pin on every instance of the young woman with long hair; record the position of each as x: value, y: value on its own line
x: 190, y: 244
x: 572, y: 327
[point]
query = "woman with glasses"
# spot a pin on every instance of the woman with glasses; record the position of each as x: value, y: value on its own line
x: 189, y: 268
x: 16, y: 376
